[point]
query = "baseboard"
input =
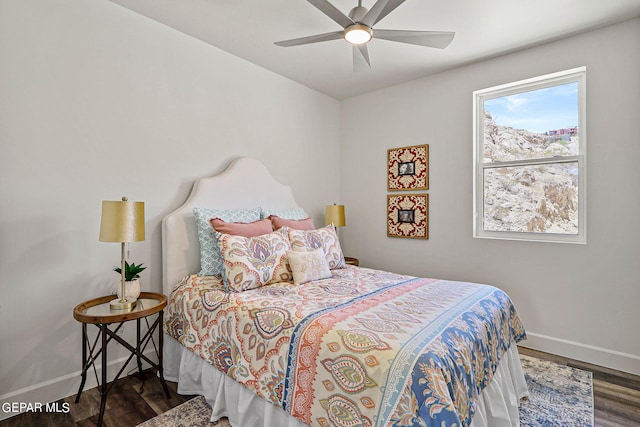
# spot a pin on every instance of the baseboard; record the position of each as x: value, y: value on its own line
x: 612, y: 359
x: 64, y: 386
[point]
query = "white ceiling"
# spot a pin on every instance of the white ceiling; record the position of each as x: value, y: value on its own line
x: 484, y: 28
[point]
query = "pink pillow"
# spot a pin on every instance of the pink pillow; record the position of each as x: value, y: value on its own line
x: 296, y: 224
x: 251, y: 229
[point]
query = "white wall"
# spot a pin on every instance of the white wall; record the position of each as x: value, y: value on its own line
x: 97, y: 102
x: 576, y: 300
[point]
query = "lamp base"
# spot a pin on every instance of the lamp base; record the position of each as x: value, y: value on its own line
x: 119, y: 304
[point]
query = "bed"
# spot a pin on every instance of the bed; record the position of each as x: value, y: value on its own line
x: 357, y: 347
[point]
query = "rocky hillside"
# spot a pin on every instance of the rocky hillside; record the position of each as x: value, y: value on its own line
x: 503, y: 143
x: 540, y: 198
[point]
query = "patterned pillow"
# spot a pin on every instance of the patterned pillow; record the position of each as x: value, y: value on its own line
x: 252, y: 262
x: 308, y: 266
x: 293, y: 213
x: 210, y: 259
x: 325, y: 238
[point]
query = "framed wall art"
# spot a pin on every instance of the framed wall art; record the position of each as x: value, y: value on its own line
x: 408, y: 168
x: 408, y: 216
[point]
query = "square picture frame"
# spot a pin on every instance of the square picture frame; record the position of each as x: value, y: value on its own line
x: 408, y: 215
x: 408, y: 168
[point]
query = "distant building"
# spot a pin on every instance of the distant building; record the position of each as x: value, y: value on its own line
x: 572, y: 131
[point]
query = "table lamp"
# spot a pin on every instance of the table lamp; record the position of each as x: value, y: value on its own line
x: 334, y: 214
x: 122, y: 221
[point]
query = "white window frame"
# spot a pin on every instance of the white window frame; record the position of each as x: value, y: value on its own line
x: 577, y: 75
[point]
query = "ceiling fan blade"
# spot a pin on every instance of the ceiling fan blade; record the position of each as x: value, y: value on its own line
x: 332, y: 12
x: 311, y: 39
x: 361, y: 58
x: 437, y: 39
x: 379, y: 10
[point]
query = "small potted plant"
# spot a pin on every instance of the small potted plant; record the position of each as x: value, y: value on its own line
x: 131, y: 282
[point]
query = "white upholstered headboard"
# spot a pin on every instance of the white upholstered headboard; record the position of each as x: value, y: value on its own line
x: 246, y: 183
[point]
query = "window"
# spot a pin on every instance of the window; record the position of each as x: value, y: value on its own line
x: 529, y: 159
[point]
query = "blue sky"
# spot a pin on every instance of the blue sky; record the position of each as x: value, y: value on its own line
x: 538, y: 110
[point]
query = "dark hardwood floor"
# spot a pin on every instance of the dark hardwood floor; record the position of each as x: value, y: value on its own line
x: 133, y: 400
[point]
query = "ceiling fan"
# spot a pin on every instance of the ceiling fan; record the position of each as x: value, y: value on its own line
x: 358, y: 30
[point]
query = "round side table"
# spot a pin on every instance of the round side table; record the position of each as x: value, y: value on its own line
x: 352, y: 261
x: 98, y: 312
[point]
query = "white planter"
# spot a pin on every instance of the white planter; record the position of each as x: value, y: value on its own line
x: 131, y: 289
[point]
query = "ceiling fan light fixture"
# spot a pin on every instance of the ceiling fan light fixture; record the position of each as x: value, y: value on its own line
x: 358, y: 34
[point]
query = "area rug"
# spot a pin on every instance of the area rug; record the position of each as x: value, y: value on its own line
x: 558, y: 396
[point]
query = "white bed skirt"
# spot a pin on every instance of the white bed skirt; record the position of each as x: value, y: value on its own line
x: 497, y: 406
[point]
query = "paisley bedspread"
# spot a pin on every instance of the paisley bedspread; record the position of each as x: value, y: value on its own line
x: 364, y: 348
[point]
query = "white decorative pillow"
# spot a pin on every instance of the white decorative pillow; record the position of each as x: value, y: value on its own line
x: 325, y: 238
x: 293, y: 213
x: 210, y: 259
x: 308, y: 266
x: 252, y: 262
